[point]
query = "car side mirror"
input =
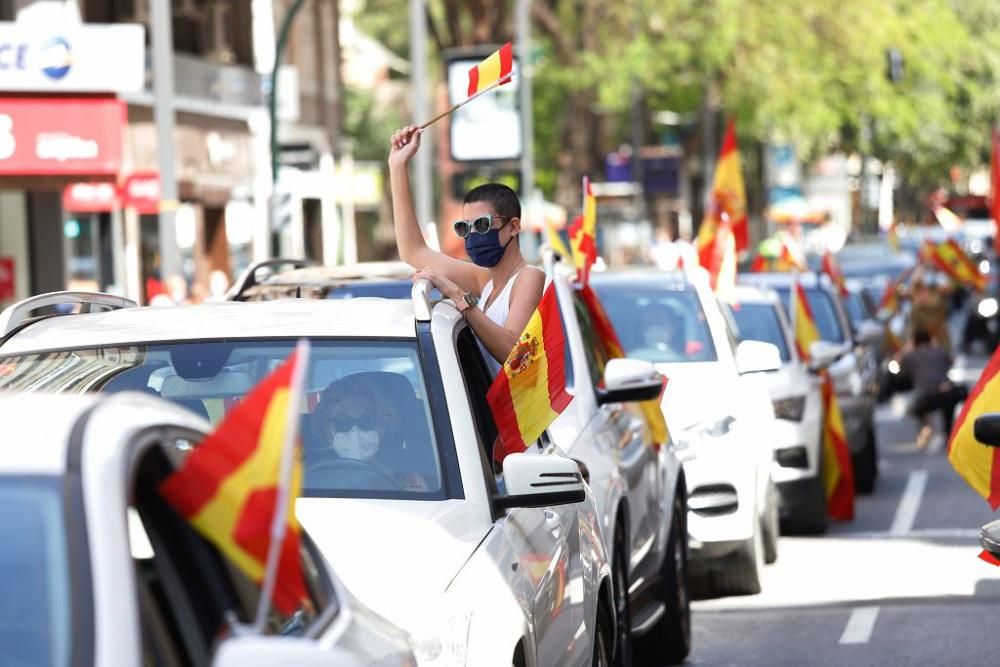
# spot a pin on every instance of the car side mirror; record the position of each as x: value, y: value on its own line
x: 869, y: 333
x: 257, y: 651
x: 628, y: 380
x: 754, y: 356
x: 539, y: 480
x: 986, y: 429
x: 989, y: 538
x: 822, y: 353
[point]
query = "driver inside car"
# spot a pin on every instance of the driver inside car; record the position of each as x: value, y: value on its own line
x: 346, y: 433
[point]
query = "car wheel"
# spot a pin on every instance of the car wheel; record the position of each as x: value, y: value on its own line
x: 741, y: 575
x: 866, y: 465
x: 769, y: 527
x: 669, y: 641
x: 623, y: 645
x: 602, y: 632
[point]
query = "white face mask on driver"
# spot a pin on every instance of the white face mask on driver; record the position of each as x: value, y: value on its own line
x: 356, y: 444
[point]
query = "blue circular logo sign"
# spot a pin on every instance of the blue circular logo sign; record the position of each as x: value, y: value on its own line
x: 56, y: 58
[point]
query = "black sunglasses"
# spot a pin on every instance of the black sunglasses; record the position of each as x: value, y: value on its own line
x: 480, y: 225
x: 343, y: 423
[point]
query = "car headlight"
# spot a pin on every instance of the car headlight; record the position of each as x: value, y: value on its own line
x: 444, y: 641
x: 894, y: 367
x: 987, y: 308
x: 791, y: 408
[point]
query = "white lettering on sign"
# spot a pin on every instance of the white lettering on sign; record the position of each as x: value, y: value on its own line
x: 144, y: 188
x: 7, y: 142
x: 62, y: 146
x: 93, y: 192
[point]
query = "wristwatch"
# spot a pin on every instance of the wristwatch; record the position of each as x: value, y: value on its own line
x: 471, y: 301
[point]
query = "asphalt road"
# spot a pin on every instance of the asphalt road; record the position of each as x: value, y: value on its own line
x: 900, y: 585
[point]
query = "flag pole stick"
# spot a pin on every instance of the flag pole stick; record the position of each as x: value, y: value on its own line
x: 456, y: 107
x: 279, y: 522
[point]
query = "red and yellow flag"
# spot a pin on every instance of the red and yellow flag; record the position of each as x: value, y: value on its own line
x: 838, y: 471
x: 497, y: 67
x: 583, y: 235
x: 652, y: 411
x: 888, y: 305
x: 806, y: 332
x: 529, y: 392
x: 791, y: 257
x: 729, y: 191
x: 717, y: 254
x: 832, y: 269
x: 978, y: 464
x: 952, y: 260
x: 228, y: 487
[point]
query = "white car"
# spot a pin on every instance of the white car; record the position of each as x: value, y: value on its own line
x: 639, y: 488
x: 97, y: 569
x: 718, y: 412
x: 481, y: 565
x: 795, y: 392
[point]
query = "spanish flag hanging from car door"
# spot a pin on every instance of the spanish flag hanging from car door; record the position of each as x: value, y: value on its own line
x: 529, y: 392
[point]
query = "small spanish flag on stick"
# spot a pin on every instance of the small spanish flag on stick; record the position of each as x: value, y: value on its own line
x: 529, y: 392
x: 832, y: 269
x: 803, y: 324
x: 238, y: 487
x: 494, y: 71
x: 583, y: 235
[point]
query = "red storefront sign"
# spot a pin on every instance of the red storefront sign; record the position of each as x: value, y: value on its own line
x: 90, y: 197
x: 6, y: 278
x: 142, y: 192
x: 61, y: 136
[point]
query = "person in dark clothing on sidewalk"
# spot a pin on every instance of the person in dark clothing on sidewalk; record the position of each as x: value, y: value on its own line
x: 927, y: 363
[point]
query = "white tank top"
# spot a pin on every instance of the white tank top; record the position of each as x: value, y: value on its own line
x: 497, y: 311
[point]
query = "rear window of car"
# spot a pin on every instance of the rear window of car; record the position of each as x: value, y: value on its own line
x: 366, y: 420
x: 760, y: 321
x: 665, y: 325
x: 823, y: 310
x: 35, y: 622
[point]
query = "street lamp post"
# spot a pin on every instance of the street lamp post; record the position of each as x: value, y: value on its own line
x: 272, y: 97
x: 421, y: 109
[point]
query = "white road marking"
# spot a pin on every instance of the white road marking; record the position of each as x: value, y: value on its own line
x: 909, y: 503
x: 919, y: 534
x: 859, y: 626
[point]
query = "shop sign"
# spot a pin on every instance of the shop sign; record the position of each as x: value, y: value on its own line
x: 6, y: 278
x: 72, y: 58
x: 61, y: 136
x: 90, y: 197
x: 142, y: 192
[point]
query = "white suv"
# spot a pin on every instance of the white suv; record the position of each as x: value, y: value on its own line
x: 718, y: 412
x: 481, y: 566
x: 99, y: 570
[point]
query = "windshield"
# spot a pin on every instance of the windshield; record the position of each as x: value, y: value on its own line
x: 659, y: 325
x: 366, y: 423
x: 759, y: 321
x: 385, y: 290
x: 35, y: 622
x: 857, y: 310
x: 823, y: 311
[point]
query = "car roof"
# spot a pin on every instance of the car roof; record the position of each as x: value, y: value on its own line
x: 322, y: 278
x: 755, y: 294
x: 44, y: 421
x: 648, y: 277
x: 778, y: 280
x: 283, y: 318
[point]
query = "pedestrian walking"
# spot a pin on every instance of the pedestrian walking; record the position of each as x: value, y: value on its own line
x: 927, y: 363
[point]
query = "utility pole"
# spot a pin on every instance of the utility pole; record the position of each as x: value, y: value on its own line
x: 421, y: 109
x: 524, y: 88
x: 162, y: 42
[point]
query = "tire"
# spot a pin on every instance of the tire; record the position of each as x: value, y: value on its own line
x: 769, y: 526
x: 741, y: 575
x: 669, y: 641
x: 866, y: 465
x: 602, y: 634
x: 810, y: 517
x: 623, y: 643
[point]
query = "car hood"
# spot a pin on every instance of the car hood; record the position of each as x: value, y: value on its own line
x: 791, y: 380
x: 389, y: 552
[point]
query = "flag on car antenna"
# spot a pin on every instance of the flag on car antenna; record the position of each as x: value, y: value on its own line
x: 583, y: 235
x: 976, y: 463
x: 238, y: 486
x: 803, y: 323
x: 832, y: 269
x: 838, y: 470
x: 529, y: 392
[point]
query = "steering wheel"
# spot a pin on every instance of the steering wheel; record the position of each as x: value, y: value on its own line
x: 333, y: 463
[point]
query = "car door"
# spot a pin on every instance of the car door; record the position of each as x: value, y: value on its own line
x: 543, y: 543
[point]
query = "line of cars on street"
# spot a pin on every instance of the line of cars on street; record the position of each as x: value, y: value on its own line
x: 453, y: 558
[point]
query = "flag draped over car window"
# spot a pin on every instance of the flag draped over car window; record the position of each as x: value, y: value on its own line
x: 529, y: 392
x: 229, y: 488
x: 583, y: 235
x: 803, y: 322
x: 495, y: 68
x: 978, y: 464
x: 838, y: 471
x: 652, y: 412
x: 950, y: 258
x: 832, y: 269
